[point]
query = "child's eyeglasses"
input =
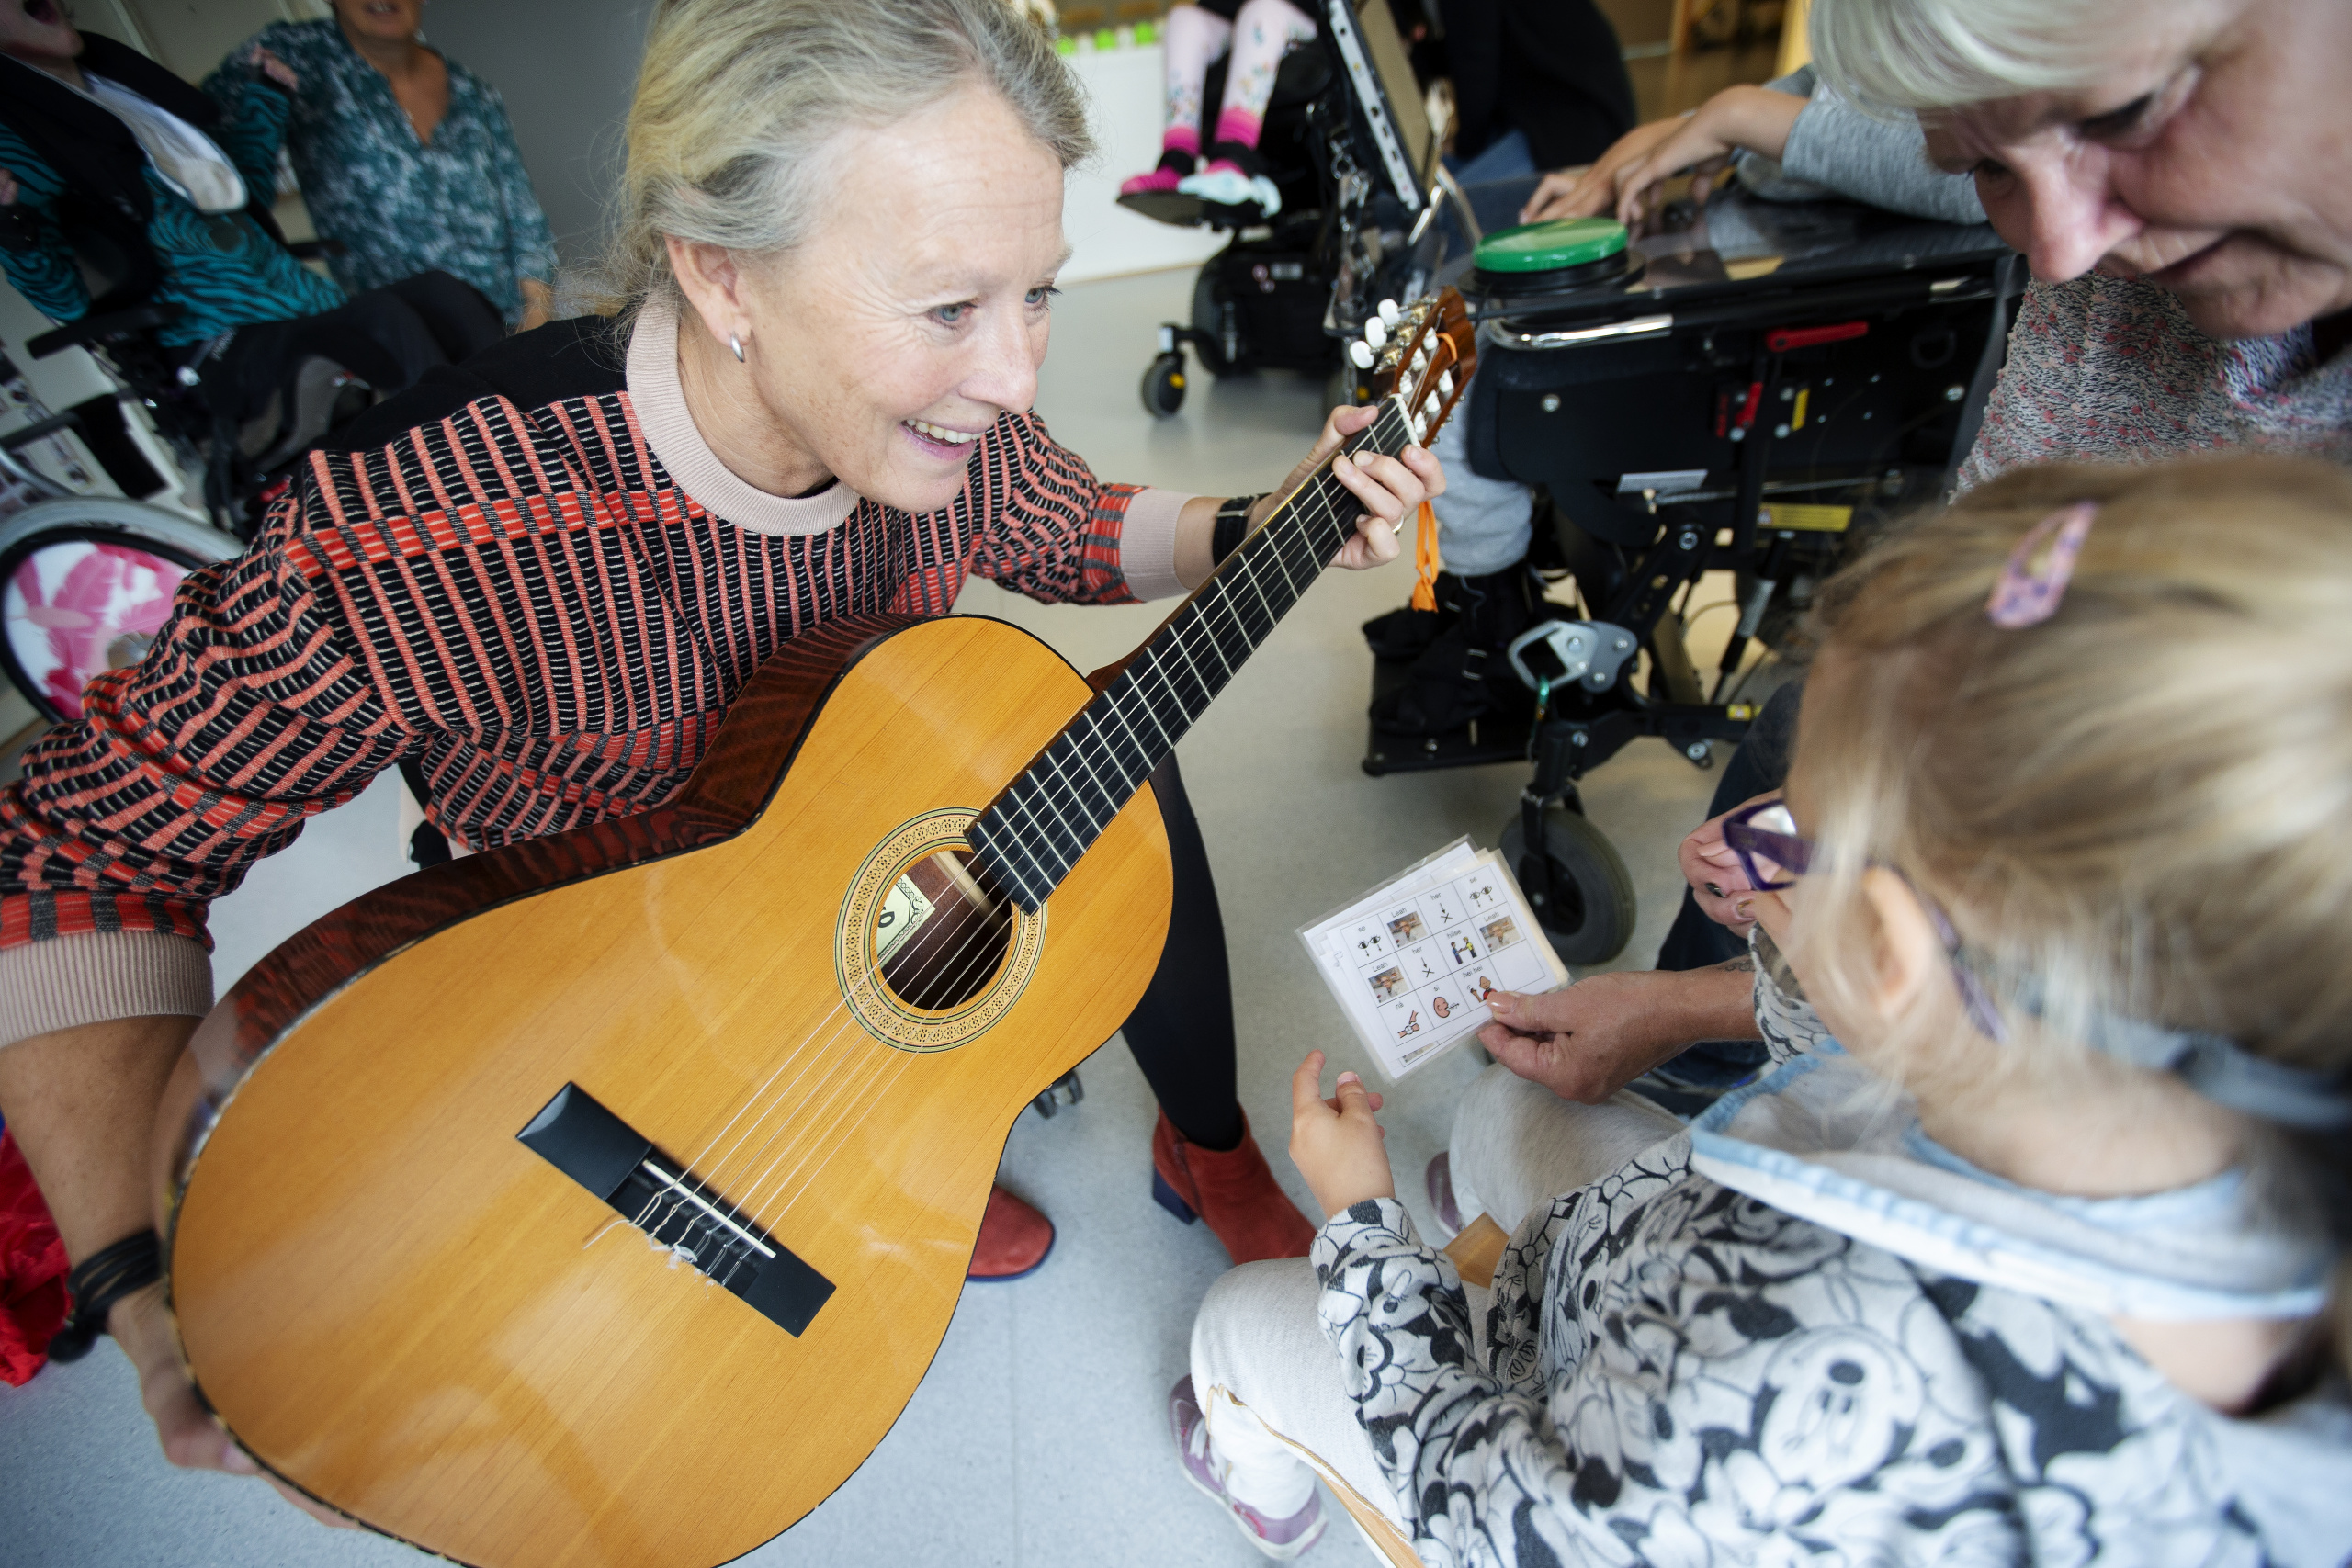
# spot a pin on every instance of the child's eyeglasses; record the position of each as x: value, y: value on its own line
x: 1774, y: 855
x: 1764, y: 836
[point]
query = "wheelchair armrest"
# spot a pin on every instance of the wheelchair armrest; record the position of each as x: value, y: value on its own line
x: 314, y: 250
x: 97, y: 329
x: 69, y: 419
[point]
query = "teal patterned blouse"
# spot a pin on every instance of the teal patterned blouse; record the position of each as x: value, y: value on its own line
x: 220, y: 268
x: 461, y: 202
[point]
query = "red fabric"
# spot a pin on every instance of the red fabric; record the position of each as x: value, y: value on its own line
x: 32, y: 1270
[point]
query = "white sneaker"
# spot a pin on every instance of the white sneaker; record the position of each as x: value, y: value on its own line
x: 1225, y: 183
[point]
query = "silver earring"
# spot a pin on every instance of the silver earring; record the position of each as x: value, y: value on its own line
x: 735, y: 342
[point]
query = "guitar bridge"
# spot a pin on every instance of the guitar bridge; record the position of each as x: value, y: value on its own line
x: 622, y: 1168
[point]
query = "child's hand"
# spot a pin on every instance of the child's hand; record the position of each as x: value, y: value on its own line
x: 1336, y: 1144
x: 1718, y: 882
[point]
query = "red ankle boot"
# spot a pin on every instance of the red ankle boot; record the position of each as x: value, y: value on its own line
x: 1014, y: 1241
x: 1234, y: 1191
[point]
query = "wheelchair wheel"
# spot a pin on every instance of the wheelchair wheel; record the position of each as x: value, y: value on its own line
x: 1590, y: 916
x: 1163, y: 386
x: 85, y: 583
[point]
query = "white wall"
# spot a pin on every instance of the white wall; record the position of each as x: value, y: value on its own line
x: 1127, y: 88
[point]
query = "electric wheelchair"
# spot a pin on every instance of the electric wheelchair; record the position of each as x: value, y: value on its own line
x: 1751, y: 388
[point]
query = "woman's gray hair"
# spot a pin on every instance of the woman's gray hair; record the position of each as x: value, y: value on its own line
x: 1938, y: 54
x: 738, y: 102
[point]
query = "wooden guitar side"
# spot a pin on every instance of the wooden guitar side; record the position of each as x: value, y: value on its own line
x: 399, y: 1308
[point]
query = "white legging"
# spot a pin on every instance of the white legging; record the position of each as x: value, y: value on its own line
x: 1278, y: 1411
x: 1261, y: 32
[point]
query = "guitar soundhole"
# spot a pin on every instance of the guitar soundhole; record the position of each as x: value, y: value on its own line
x: 941, y: 935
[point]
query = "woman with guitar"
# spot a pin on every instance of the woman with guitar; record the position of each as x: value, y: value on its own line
x: 545, y: 575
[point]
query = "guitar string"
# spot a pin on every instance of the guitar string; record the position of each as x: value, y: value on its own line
x: 1314, y: 560
x: 1321, y: 501
x: 710, y: 1179
x: 1324, y: 501
x: 1237, y: 613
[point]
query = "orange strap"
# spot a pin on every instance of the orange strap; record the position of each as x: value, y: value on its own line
x: 1425, y: 562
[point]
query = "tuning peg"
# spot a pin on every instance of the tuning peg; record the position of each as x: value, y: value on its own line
x: 1429, y: 405
x: 1389, y: 312
x: 1375, y: 331
x: 1445, y: 383
x: 1360, y: 354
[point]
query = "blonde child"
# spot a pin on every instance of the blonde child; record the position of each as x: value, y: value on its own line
x: 2023, y: 1253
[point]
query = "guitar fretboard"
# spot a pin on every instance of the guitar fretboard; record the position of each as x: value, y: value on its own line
x: 1032, y: 833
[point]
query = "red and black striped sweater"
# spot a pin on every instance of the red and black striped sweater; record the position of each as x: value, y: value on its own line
x: 529, y: 575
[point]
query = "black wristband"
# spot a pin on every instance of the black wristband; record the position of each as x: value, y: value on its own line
x: 98, y: 1282
x: 1232, y: 525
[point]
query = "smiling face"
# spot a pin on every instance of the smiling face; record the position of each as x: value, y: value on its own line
x: 884, y: 345
x: 36, y: 32
x: 386, y: 21
x: 2213, y: 159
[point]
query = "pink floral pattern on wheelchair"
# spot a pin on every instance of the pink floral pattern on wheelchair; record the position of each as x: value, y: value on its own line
x: 77, y: 608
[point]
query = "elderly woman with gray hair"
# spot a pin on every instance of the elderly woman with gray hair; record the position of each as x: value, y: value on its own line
x: 2179, y: 175
x: 545, y: 576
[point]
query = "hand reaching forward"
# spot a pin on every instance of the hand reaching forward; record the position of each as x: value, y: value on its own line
x: 1718, y: 882
x: 1336, y: 1144
x: 1754, y: 119
x: 274, y: 68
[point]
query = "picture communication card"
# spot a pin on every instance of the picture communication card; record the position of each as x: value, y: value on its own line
x: 1413, y: 961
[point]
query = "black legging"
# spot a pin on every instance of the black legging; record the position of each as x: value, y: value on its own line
x: 1182, y: 1032
x: 388, y: 337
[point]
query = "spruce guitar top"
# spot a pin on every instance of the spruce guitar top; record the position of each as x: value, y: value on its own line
x: 602, y: 1199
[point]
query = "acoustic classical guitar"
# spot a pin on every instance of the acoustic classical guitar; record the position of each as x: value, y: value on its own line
x: 602, y: 1199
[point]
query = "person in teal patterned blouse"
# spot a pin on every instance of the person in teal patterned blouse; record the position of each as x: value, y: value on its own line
x: 403, y: 154
x: 108, y: 161
x: 217, y: 252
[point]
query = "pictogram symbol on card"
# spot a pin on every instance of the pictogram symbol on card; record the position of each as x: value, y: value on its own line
x: 1413, y: 962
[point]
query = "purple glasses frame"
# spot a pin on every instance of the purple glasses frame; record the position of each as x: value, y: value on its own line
x: 1794, y: 852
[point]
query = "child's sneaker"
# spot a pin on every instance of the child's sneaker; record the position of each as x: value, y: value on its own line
x: 1174, y: 165
x: 1225, y: 182
x: 1279, y: 1539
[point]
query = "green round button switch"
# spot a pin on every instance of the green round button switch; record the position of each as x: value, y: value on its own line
x: 1548, y: 247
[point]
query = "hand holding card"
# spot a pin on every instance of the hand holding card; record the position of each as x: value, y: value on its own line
x: 1413, y: 962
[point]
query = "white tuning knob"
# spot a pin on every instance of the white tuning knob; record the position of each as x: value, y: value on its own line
x: 1429, y: 405
x: 1375, y: 331
x: 1389, y: 312
x: 1360, y: 354
x: 1445, y: 383
x: 1420, y: 431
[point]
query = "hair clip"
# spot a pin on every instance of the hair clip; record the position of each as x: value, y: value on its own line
x: 2031, y: 587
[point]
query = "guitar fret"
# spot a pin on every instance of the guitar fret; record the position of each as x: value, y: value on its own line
x: 1047, y: 818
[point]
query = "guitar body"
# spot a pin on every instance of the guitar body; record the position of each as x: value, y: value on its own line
x: 400, y: 1307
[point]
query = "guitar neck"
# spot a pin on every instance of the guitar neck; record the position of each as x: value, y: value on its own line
x: 1035, y: 831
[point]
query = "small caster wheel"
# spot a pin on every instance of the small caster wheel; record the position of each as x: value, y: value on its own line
x: 1163, y: 386
x: 1066, y: 1090
x: 1590, y: 916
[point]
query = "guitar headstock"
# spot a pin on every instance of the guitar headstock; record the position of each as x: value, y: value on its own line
x: 1422, y: 354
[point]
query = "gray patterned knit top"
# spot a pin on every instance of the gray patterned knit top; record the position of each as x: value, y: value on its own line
x: 2104, y: 370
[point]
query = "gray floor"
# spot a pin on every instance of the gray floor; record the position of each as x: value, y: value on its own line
x: 1038, y: 1438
